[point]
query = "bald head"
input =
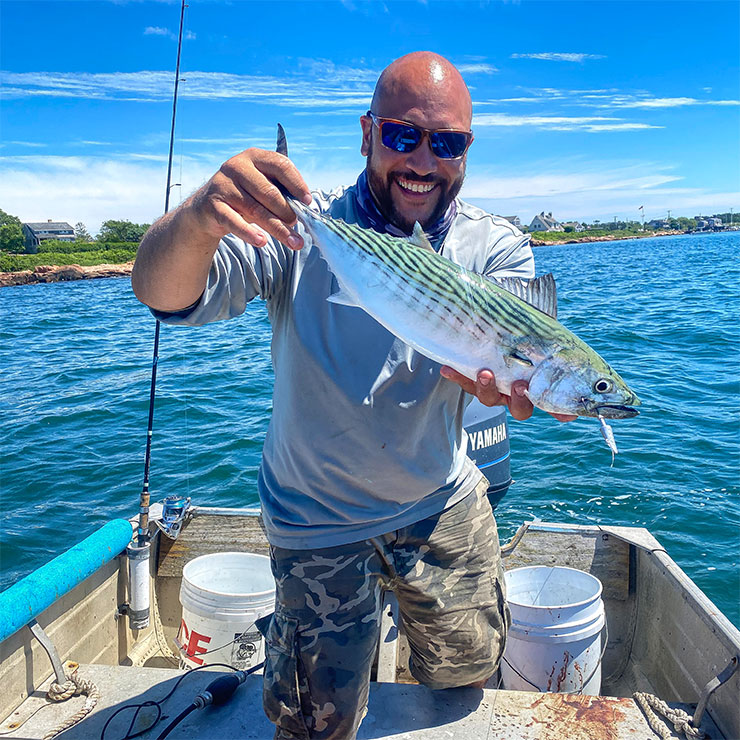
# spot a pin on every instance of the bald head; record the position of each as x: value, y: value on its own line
x: 426, y: 84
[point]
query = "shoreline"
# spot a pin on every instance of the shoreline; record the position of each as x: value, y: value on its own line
x: 63, y: 273
x: 589, y: 239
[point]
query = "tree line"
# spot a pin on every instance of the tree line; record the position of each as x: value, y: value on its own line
x: 111, y: 232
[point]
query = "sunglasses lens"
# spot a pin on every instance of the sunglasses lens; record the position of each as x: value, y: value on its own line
x: 448, y: 144
x: 400, y: 138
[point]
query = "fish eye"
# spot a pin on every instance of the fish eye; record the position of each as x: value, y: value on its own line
x: 603, y: 385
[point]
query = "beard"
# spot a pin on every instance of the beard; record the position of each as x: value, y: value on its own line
x: 380, y: 189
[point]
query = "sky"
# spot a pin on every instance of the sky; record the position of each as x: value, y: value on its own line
x: 588, y: 110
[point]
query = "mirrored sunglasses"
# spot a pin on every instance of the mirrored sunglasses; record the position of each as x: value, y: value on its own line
x: 404, y: 137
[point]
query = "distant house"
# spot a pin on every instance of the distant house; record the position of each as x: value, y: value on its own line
x: 709, y: 224
x: 575, y: 225
x: 514, y: 221
x: 658, y: 223
x: 545, y: 222
x: 38, y: 231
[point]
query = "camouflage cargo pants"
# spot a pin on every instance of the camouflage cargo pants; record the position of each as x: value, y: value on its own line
x: 446, y: 573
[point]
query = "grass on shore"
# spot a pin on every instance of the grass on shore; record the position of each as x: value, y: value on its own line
x: 561, y: 236
x: 105, y: 254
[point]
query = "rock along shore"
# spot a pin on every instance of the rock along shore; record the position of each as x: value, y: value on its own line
x: 62, y: 273
x: 586, y: 239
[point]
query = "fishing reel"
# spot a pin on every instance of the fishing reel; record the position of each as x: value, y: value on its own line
x: 174, y: 511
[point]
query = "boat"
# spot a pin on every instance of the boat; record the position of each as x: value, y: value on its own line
x: 74, y: 617
x: 91, y: 647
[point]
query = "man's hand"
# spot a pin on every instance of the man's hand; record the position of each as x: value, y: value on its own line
x: 242, y: 199
x: 175, y: 255
x: 484, y: 389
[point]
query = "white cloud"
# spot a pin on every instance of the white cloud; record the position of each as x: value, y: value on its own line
x: 29, y: 144
x: 599, y: 190
x: 667, y: 102
x: 552, y: 56
x: 605, y: 98
x: 559, y: 123
x: 157, y: 31
x: 88, y: 189
x: 93, y: 189
x: 317, y: 84
x: 476, y: 68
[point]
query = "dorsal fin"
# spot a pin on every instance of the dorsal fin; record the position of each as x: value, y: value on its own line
x: 419, y: 238
x: 541, y: 292
x: 282, y: 142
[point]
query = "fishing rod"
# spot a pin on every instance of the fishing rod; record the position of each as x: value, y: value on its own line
x: 139, y: 553
x: 143, y: 531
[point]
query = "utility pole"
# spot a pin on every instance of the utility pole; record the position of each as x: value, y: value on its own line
x: 642, y: 213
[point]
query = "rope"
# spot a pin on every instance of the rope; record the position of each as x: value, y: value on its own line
x: 73, y: 686
x: 159, y: 635
x: 651, y: 705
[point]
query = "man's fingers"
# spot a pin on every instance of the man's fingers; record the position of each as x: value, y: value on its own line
x: 484, y: 388
x: 235, y: 224
x: 279, y: 168
x: 260, y: 173
x: 465, y: 383
x: 249, y: 184
x: 486, y: 391
x: 564, y: 417
x: 254, y: 212
x: 520, y: 406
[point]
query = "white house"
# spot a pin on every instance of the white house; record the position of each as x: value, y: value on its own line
x: 545, y: 222
x: 38, y: 231
x: 576, y: 225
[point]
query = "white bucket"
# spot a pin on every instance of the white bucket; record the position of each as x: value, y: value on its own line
x: 222, y: 595
x: 554, y: 643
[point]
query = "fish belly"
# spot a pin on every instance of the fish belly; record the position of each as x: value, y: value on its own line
x: 417, y: 315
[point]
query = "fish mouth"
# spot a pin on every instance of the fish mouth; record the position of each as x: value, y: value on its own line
x: 615, y: 411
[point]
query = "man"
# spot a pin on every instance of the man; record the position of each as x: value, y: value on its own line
x: 364, y: 482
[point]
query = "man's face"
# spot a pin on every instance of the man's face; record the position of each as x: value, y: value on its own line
x: 417, y: 186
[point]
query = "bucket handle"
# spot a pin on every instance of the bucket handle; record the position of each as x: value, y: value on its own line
x: 604, y: 630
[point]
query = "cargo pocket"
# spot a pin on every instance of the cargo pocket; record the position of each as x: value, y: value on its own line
x: 280, y: 693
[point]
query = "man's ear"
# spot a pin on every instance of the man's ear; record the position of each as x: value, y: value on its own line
x: 367, y: 129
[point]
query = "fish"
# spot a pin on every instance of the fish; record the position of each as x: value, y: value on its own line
x: 465, y: 320
x: 608, y: 434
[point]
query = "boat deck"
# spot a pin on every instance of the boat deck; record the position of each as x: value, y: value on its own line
x: 396, y: 711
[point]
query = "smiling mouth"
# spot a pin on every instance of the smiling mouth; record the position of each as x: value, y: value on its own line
x: 409, y: 186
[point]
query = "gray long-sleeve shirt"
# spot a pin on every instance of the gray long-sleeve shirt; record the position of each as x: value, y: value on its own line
x: 366, y: 436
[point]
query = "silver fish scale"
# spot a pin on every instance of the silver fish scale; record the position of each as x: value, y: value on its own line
x: 454, y: 289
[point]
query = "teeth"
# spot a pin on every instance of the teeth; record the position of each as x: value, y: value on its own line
x: 416, y: 187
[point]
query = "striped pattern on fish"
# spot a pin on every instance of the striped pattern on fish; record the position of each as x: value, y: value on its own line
x: 462, y: 319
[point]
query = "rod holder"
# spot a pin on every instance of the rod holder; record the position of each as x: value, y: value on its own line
x: 138, y: 584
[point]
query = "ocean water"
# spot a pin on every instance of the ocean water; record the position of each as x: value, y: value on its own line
x: 76, y: 363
